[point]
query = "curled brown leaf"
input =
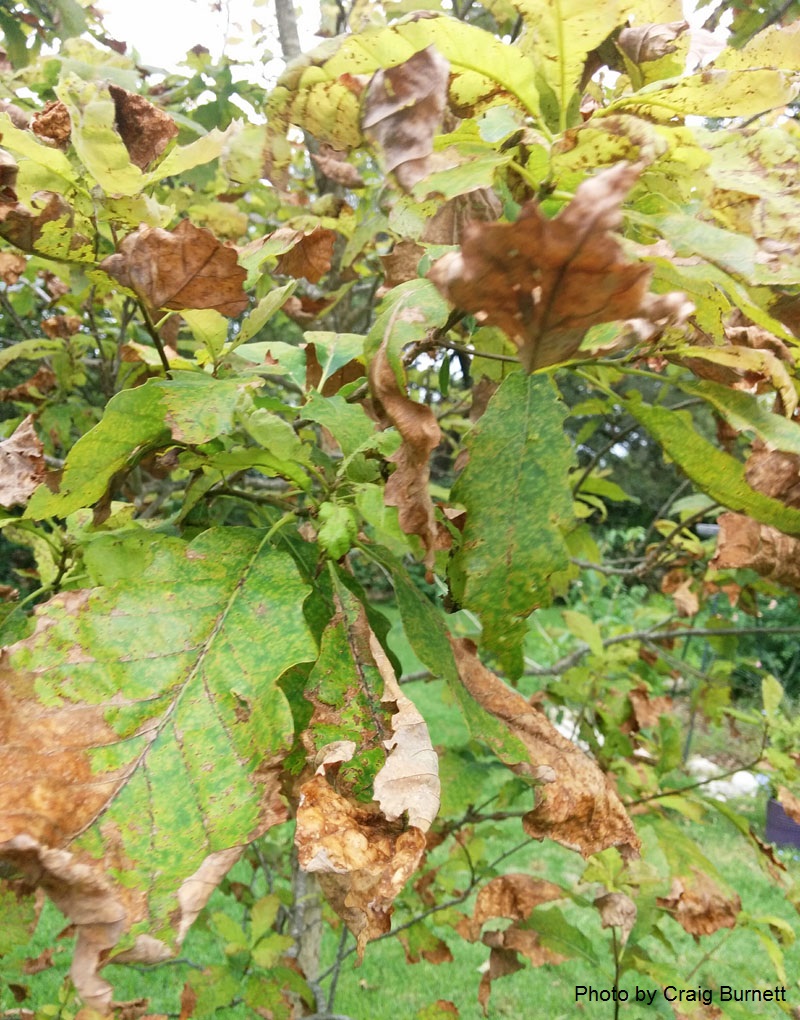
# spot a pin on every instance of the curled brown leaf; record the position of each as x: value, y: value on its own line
x: 22, y: 466
x: 699, y: 905
x: 310, y: 256
x: 577, y: 805
x: 403, y: 110
x: 407, y: 489
x: 145, y: 130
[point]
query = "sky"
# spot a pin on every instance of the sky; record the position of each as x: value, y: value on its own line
x: 163, y: 30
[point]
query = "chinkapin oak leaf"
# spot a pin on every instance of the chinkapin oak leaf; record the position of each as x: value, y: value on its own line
x: 403, y: 110
x: 545, y: 282
x: 182, y: 268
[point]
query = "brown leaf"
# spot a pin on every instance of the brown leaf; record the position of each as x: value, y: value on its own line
x: 403, y: 110
x: 407, y: 488
x: 145, y: 130
x: 545, y: 282
x: 23, y: 227
x: 336, y: 168
x: 400, y: 265
x: 578, y: 807
x: 310, y: 257
x: 513, y: 896
x: 188, y: 1002
x: 525, y: 941
x: 362, y: 861
x: 790, y: 803
x: 686, y: 601
x: 44, y: 961
x: 744, y: 543
x: 646, y: 710
x: 183, y: 268
x: 52, y: 124
x: 502, y: 962
x: 650, y: 42
x: 408, y: 782
x: 617, y: 911
x: 12, y: 266
x: 64, y: 326
x: 775, y: 473
x: 699, y: 905
x: 22, y: 466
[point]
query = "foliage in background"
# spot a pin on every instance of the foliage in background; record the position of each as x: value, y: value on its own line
x: 474, y: 364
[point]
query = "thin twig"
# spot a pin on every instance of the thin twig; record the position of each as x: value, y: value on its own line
x: 153, y: 332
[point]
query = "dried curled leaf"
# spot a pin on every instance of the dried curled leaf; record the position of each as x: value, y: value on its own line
x: 335, y: 167
x: 408, y: 783
x: 745, y: 543
x: 403, y: 109
x: 22, y: 466
x: 182, y: 268
x: 512, y: 896
x: 790, y: 803
x: 617, y: 911
x: 12, y: 266
x: 145, y: 130
x: 545, y: 282
x: 363, y: 852
x: 407, y: 489
x: 577, y: 806
x: 310, y: 256
x: 650, y: 42
x: 362, y: 860
x: 52, y: 124
x: 699, y: 905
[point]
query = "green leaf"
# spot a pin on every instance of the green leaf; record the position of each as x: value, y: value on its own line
x: 209, y: 328
x: 191, y: 407
x: 405, y: 315
x: 515, y: 488
x: 31, y: 349
x: 263, y: 914
x: 558, y: 37
x: 556, y: 933
x: 255, y: 321
x: 275, y: 435
x: 771, y: 695
x: 339, y: 529
x: 187, y: 157
x: 714, y: 472
x: 348, y: 423
x: 747, y: 413
x: 95, y: 138
x: 334, y: 351
x: 585, y: 629
x: 183, y: 717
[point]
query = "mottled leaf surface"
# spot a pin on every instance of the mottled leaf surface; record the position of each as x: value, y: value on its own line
x: 518, y: 504
x: 112, y: 710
